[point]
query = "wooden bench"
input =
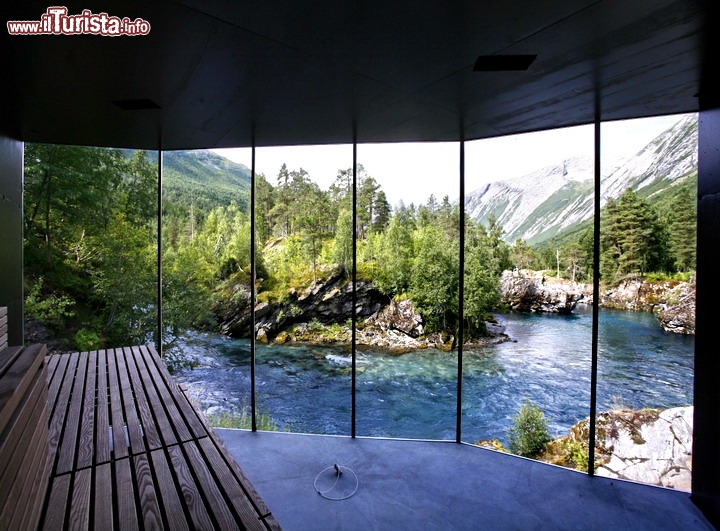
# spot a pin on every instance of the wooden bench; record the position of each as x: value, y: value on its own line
x: 24, y: 462
x: 129, y: 451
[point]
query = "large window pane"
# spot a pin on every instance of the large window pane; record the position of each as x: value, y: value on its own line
x: 527, y: 375
x: 206, y: 279
x: 304, y: 260
x: 408, y: 252
x: 647, y: 320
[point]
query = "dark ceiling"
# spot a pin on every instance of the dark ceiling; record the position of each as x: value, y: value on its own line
x: 316, y: 72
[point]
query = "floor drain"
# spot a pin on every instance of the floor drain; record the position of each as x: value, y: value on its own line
x: 336, y: 483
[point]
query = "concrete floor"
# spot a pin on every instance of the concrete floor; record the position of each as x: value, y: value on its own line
x: 437, y: 485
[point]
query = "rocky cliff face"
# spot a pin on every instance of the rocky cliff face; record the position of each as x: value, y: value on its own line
x: 322, y: 314
x: 532, y: 291
x: 673, y: 302
x: 328, y: 302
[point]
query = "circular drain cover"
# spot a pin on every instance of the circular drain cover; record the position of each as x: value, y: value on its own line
x: 336, y: 483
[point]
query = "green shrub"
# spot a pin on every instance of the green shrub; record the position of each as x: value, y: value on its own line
x: 49, y: 308
x: 529, y: 434
x: 242, y: 420
x: 86, y: 340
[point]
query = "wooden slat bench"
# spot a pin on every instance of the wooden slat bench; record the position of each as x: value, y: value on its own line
x: 23, y: 436
x: 129, y: 451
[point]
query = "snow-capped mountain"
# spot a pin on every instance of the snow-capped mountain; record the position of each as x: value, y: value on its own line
x: 541, y: 204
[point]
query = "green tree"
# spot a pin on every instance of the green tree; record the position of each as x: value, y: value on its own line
x: 682, y: 226
x: 632, y: 239
x: 528, y: 434
x: 70, y: 192
x: 395, y: 257
x: 383, y: 212
x: 434, y: 279
x: 522, y: 254
x: 482, y: 286
x: 343, y: 244
x: 264, y: 203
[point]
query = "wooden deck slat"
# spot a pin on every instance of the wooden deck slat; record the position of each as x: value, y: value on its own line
x: 125, y: 494
x: 7, y: 358
x: 69, y: 442
x: 86, y: 438
x: 207, y: 483
x: 61, y: 405
x: 57, y: 505
x: 174, y: 474
x: 102, y: 417
x: 13, y: 383
x: 55, y: 379
x: 147, y: 492
x: 146, y: 417
x: 103, y: 518
x: 39, y: 484
x: 154, y: 400
x: 80, y: 509
x: 119, y: 441
x: 132, y: 420
x: 3, y: 327
x: 51, y: 362
x: 168, y: 401
x: 193, y: 420
x: 16, y: 439
x: 235, y: 493
x: 190, y: 492
x: 23, y: 450
x: 173, y: 506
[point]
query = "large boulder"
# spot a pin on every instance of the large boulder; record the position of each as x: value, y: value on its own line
x: 533, y: 291
x: 399, y: 315
x: 677, y: 314
x: 654, y: 449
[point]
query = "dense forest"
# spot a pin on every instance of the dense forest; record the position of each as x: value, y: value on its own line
x: 91, y: 243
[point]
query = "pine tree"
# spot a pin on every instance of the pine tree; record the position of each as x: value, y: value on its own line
x: 682, y: 226
x: 632, y: 239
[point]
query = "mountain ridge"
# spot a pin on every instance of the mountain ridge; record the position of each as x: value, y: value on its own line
x: 540, y: 205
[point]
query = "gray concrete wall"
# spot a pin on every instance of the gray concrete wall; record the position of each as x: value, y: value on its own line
x: 11, y: 236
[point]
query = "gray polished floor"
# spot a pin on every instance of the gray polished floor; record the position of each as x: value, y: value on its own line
x: 437, y: 485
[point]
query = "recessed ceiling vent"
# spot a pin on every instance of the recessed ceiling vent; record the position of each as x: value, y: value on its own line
x: 503, y: 63
x: 136, y: 105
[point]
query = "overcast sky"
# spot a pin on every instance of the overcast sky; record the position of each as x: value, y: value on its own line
x: 411, y: 172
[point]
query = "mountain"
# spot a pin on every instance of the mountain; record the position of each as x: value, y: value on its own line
x: 554, y: 199
x: 204, y: 178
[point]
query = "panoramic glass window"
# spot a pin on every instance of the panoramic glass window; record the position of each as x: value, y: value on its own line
x: 206, y: 279
x: 303, y: 220
x: 527, y: 360
x: 90, y: 246
x: 407, y: 241
x: 647, y: 317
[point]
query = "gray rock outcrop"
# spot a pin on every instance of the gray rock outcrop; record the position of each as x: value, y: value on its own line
x: 327, y: 302
x: 532, y: 291
x: 658, y: 451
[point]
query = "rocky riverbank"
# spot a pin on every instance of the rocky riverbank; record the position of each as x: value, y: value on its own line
x: 648, y: 446
x: 673, y: 302
x: 321, y: 314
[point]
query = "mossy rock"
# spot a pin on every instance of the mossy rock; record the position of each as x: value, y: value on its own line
x: 492, y: 444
